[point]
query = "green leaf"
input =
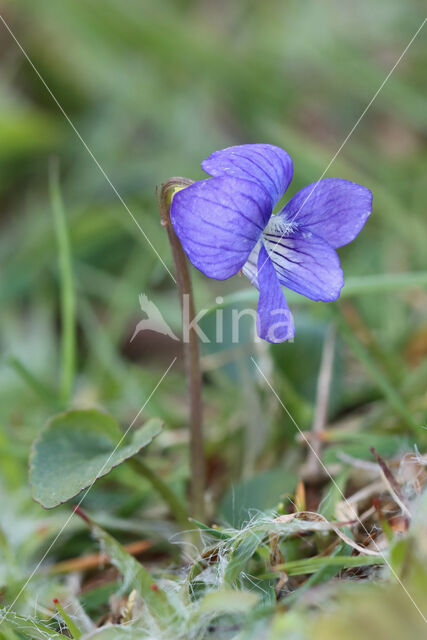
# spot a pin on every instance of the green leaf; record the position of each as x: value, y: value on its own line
x: 158, y: 601
x: 76, y: 448
x: 228, y: 600
x: 333, y: 494
x: 73, y: 629
x: 381, y: 380
x: 118, y: 632
x: 311, y: 565
x: 215, y: 533
x: 259, y: 493
x: 240, y: 556
x: 386, y: 445
x: 321, y: 574
x: 30, y: 626
x: 354, y: 286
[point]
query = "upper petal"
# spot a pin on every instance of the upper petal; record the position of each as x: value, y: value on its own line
x: 274, y: 320
x: 265, y: 164
x: 218, y: 222
x: 333, y: 209
x: 305, y: 263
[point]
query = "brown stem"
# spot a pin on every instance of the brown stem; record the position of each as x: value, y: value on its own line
x: 191, y: 348
x: 313, y: 468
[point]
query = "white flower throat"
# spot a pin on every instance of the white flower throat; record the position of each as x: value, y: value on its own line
x: 278, y: 226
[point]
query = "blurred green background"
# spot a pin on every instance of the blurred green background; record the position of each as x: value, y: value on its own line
x: 153, y: 87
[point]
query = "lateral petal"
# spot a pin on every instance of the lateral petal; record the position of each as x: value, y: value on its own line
x: 333, y: 209
x: 305, y: 263
x: 218, y: 222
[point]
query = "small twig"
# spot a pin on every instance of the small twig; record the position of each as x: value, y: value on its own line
x: 82, y: 514
x: 317, y: 517
x: 94, y: 560
x: 313, y: 468
x: 358, y: 463
x: 366, y: 514
x: 276, y: 558
x: 392, y: 484
x: 348, y: 508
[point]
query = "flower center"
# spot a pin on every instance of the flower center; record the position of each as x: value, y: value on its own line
x: 278, y: 226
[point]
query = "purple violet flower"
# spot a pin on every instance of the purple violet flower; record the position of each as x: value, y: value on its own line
x: 226, y: 224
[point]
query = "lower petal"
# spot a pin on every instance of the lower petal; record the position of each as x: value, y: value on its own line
x: 274, y: 320
x: 305, y: 263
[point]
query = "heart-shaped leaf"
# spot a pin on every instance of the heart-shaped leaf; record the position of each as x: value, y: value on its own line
x: 76, y: 448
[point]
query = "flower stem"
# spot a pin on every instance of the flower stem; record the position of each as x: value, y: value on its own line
x: 191, y: 347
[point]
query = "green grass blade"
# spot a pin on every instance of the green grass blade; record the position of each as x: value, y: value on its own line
x: 68, y: 305
x: 374, y: 371
x: 75, y: 632
x: 356, y: 286
x: 311, y: 565
x: 157, y: 601
x: 240, y: 556
x: 42, y: 390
